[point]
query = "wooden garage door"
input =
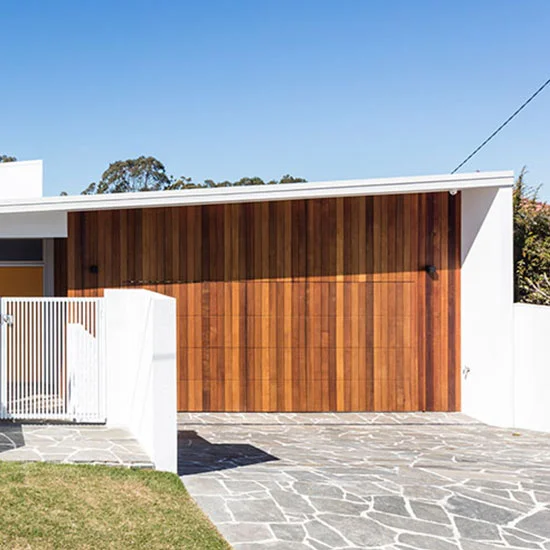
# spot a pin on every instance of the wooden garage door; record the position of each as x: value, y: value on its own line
x: 301, y: 346
x: 310, y: 305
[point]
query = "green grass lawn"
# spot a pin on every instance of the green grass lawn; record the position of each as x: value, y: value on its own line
x: 63, y: 506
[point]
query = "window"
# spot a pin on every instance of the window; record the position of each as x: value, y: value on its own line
x: 20, y: 250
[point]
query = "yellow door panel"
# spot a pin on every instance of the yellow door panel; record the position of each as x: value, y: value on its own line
x: 21, y: 281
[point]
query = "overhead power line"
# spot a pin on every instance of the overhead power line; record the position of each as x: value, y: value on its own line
x: 501, y: 127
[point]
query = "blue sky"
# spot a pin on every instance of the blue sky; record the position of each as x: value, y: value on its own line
x: 320, y: 89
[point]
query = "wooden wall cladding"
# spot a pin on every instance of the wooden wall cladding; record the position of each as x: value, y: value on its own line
x: 317, y: 305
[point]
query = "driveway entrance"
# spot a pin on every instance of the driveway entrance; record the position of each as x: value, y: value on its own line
x: 429, y: 481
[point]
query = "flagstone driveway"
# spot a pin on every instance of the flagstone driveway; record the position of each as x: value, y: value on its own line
x: 389, y: 481
x: 71, y: 444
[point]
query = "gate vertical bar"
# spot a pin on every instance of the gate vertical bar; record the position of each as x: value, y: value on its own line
x: 35, y: 401
x: 61, y: 355
x: 4, y: 365
x: 25, y: 344
x: 100, y: 331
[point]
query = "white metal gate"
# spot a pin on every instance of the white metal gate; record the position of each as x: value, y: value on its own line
x: 52, y: 359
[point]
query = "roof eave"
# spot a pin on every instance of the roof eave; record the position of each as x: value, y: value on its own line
x: 262, y: 193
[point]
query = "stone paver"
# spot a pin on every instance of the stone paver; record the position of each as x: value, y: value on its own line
x: 70, y: 444
x: 387, y: 481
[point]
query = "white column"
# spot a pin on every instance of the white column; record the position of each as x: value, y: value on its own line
x: 487, y: 305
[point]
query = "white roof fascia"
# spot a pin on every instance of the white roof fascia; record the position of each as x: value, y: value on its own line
x: 261, y: 193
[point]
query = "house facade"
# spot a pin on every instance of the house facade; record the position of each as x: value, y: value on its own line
x: 362, y: 295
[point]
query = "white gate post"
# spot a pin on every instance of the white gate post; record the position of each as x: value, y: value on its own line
x: 3, y: 363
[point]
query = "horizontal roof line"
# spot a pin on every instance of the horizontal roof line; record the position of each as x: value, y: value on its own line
x: 261, y: 193
x: 16, y: 163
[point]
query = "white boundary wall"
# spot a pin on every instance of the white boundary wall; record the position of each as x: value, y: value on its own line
x: 140, y: 329
x: 487, y: 305
x: 532, y: 367
x: 505, y: 359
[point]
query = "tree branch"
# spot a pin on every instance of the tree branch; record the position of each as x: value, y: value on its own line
x: 542, y: 292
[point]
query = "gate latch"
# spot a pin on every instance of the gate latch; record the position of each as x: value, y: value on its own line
x: 6, y: 318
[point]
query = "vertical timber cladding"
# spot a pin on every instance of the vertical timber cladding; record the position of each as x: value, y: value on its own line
x: 317, y: 305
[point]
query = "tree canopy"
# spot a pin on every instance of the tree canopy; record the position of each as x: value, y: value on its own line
x: 149, y: 174
x: 531, y: 245
x: 124, y: 176
x: 7, y: 158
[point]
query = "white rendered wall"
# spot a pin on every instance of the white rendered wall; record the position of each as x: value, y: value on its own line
x: 532, y: 367
x: 21, y: 180
x: 33, y: 225
x: 487, y: 305
x: 140, y: 329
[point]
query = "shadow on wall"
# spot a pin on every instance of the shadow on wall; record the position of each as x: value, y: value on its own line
x: 11, y: 437
x: 477, y: 203
x: 161, y: 247
x: 197, y: 455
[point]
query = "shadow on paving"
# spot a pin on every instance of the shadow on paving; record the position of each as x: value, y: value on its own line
x: 196, y: 455
x: 11, y: 436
